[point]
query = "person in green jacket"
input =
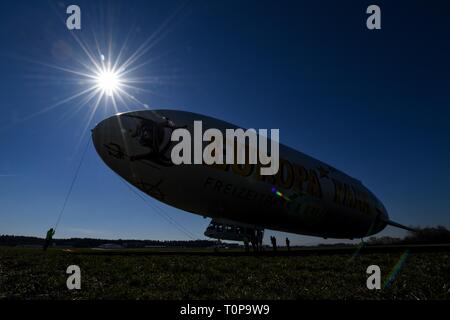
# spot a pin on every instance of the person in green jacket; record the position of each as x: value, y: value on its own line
x: 49, y: 238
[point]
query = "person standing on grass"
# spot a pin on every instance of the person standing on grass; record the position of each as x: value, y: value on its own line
x: 260, y: 239
x: 49, y: 238
x: 288, y: 244
x: 274, y: 243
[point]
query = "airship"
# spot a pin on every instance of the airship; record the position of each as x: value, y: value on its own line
x: 306, y: 196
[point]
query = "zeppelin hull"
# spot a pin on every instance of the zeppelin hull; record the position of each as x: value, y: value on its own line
x: 306, y: 196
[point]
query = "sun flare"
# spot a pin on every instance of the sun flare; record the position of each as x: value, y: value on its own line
x: 108, y: 81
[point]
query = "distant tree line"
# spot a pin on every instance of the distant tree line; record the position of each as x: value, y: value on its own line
x: 437, y: 235
x: 7, y: 240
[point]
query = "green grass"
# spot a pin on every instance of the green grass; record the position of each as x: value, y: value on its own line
x: 33, y: 274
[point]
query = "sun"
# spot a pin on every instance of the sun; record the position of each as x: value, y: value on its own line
x: 108, y: 81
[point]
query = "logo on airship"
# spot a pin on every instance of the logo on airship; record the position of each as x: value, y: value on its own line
x: 168, y: 144
x: 155, y: 136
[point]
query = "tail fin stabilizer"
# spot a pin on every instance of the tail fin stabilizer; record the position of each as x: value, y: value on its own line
x: 398, y: 225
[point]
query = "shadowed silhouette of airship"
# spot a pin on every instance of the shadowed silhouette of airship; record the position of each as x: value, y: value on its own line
x: 306, y: 196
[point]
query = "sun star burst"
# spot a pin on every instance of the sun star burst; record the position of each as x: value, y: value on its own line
x: 108, y: 81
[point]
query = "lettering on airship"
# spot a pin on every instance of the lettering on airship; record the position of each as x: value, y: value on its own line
x: 323, y: 172
x: 235, y: 146
x: 349, y: 196
x: 244, y: 193
x: 294, y: 177
x: 302, y: 181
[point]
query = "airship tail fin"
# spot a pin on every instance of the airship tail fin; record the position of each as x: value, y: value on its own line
x: 398, y: 225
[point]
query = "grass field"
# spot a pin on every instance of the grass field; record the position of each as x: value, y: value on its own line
x: 33, y: 274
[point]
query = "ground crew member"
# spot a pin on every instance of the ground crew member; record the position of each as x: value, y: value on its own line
x: 274, y: 243
x: 49, y: 238
x: 288, y: 244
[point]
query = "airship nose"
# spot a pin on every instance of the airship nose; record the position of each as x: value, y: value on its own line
x: 132, y: 145
x: 112, y: 139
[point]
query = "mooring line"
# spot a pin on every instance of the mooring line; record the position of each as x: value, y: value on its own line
x: 72, y: 184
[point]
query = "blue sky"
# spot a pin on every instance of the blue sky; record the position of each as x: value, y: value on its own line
x: 375, y: 104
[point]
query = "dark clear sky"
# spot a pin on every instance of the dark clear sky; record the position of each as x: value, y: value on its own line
x: 375, y: 104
